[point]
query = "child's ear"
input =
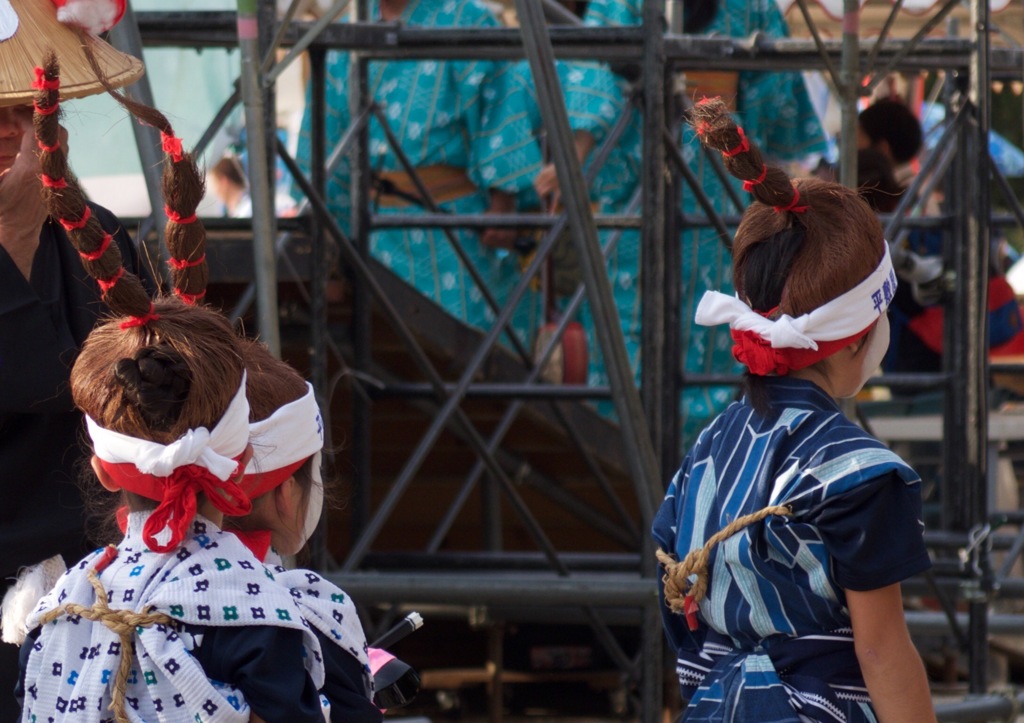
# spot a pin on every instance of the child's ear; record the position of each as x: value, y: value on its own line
x: 103, y: 476
x: 286, y: 501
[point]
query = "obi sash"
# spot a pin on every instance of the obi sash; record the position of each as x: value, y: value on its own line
x: 785, y: 680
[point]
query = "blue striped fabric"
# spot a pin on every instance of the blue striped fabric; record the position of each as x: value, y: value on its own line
x: 774, y: 634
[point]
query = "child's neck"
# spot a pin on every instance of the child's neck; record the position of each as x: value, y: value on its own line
x: 205, y: 508
x: 816, y: 375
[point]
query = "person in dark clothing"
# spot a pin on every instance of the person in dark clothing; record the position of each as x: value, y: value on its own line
x: 48, y: 305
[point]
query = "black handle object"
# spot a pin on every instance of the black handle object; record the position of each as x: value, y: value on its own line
x: 395, y: 684
x: 411, y: 622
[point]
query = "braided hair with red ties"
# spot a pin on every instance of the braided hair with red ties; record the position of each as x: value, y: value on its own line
x: 122, y: 291
x: 768, y: 184
x: 183, y: 188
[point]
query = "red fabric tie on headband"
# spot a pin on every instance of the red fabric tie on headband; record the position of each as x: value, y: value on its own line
x: 756, y: 353
x: 256, y: 485
x: 177, y: 496
x: 259, y: 483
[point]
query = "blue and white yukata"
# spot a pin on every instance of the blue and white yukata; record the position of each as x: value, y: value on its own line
x: 462, y: 113
x: 240, y: 645
x: 774, y: 641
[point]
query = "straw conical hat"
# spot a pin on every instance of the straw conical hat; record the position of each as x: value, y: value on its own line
x: 29, y: 29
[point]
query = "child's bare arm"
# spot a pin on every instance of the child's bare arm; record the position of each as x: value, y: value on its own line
x: 891, y: 664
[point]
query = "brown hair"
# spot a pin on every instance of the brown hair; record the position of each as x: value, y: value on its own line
x: 157, y: 381
x: 800, y: 243
x: 122, y: 292
x: 183, y: 188
x: 270, y: 384
x: 839, y: 239
x: 167, y: 368
x: 876, y: 181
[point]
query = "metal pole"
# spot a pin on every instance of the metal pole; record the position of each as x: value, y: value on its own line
x: 652, y: 256
x: 318, y: 282
x: 577, y: 205
x: 848, y: 93
x: 260, y: 187
x: 539, y: 53
x: 654, y: 370
x: 976, y: 338
x: 359, y: 101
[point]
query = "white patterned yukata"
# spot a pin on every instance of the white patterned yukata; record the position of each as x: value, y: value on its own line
x: 208, y: 583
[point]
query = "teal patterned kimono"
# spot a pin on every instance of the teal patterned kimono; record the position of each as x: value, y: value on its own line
x: 775, y: 111
x: 466, y: 114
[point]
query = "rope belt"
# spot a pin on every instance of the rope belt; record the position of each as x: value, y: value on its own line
x: 682, y: 596
x: 396, y: 189
x: 122, y: 622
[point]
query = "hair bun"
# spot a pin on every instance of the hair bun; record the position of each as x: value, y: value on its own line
x: 156, y: 381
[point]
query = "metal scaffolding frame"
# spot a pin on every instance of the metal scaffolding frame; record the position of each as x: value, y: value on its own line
x: 600, y: 586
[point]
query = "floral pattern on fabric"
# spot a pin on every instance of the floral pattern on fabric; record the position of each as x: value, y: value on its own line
x: 466, y: 114
x: 211, y: 579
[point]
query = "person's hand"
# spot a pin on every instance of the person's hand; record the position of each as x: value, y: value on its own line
x: 546, y: 183
x: 500, y: 237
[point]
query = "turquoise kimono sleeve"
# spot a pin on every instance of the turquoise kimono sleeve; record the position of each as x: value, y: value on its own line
x: 504, y: 153
x: 602, y: 13
x: 336, y: 121
x: 594, y: 97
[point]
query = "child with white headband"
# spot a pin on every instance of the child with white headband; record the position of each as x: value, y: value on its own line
x: 179, y: 621
x: 787, y: 530
x: 283, y: 480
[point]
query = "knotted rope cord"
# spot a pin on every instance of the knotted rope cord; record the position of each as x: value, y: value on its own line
x: 124, y: 623
x: 677, y: 574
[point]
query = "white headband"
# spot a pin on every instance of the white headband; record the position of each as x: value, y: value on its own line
x: 294, y: 432
x: 840, y: 318
x: 214, y: 450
